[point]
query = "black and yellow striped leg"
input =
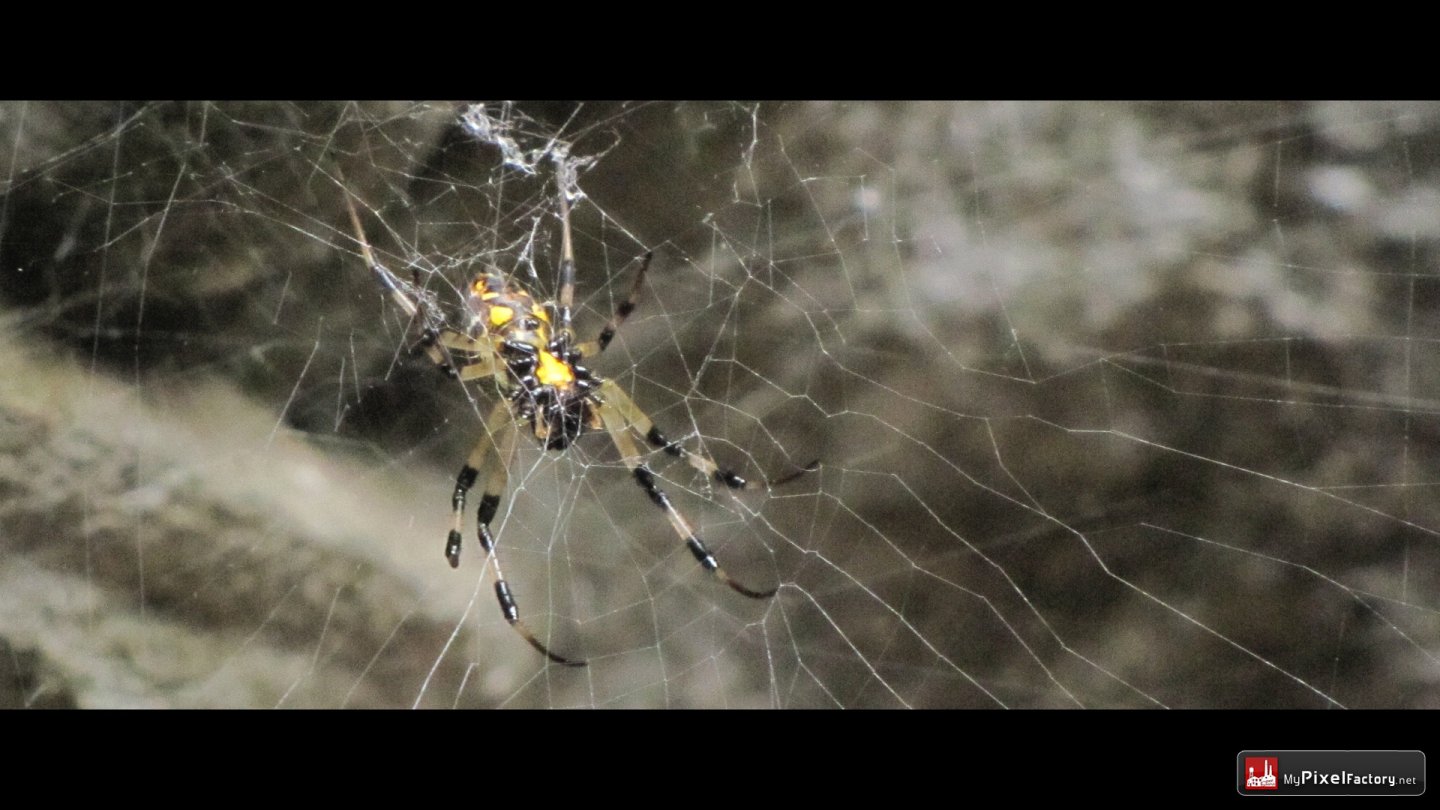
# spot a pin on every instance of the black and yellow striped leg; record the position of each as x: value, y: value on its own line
x: 433, y: 341
x: 438, y: 345
x: 480, y: 360
x: 492, y: 458
x: 594, y: 347
x: 615, y: 397
x: 626, y: 307
x: 512, y: 610
x: 565, y: 301
x: 617, y: 426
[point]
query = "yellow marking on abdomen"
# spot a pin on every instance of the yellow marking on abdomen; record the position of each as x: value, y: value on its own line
x: 551, y: 371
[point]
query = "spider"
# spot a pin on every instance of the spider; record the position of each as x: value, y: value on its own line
x: 530, y: 352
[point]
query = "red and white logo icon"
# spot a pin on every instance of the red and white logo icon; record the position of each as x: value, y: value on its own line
x: 1261, y: 773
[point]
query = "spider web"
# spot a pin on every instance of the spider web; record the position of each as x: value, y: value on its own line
x: 1117, y: 405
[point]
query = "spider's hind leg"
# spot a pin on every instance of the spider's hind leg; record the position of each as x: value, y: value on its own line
x: 488, y: 463
x: 617, y: 423
x: 636, y: 418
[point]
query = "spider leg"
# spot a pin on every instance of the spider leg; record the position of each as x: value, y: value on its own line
x: 500, y: 438
x: 616, y: 397
x: 433, y: 341
x: 483, y: 367
x: 484, y: 362
x: 497, y: 424
x: 594, y: 347
x: 636, y: 417
x: 565, y: 301
x: 617, y: 425
x: 456, y: 342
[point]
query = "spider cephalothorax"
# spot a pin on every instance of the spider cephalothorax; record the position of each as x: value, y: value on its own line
x: 528, y: 350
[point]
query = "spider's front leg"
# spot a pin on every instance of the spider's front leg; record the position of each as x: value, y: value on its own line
x: 435, y: 342
x: 636, y: 418
x: 642, y: 423
x: 593, y: 347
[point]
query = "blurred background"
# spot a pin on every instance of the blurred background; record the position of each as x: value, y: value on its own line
x: 1117, y: 405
